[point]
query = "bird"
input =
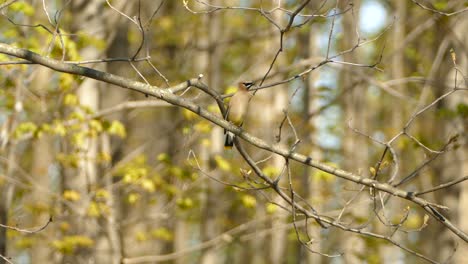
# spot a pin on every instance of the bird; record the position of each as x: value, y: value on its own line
x: 237, y: 110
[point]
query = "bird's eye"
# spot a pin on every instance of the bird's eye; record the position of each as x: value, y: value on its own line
x: 248, y: 84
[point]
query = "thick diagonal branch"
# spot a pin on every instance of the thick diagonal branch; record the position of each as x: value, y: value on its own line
x: 169, y: 96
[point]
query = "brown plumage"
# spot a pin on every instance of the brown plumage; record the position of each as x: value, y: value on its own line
x: 237, y: 110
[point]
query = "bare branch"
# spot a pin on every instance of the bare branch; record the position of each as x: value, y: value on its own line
x: 439, y: 12
x: 27, y: 231
x: 168, y: 96
x: 442, y: 186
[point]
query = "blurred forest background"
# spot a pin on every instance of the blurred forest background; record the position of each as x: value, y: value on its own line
x: 376, y: 88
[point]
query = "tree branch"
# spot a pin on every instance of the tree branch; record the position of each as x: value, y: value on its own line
x: 169, y: 96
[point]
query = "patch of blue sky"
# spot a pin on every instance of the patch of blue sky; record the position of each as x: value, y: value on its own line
x: 373, y: 17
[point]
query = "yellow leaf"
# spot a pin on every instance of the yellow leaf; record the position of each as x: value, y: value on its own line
x: 222, y: 163
x: 25, y: 242
x: 148, y: 185
x: 203, y: 127
x: 45, y: 128
x: 71, y: 195
x: 206, y: 142
x: 24, y: 128
x: 189, y: 115
x: 96, y: 125
x: 133, y: 198
x: 65, y: 82
x: 104, y: 157
x: 69, y: 244
x: 372, y: 171
x: 162, y: 233
x: 249, y: 201
x: 93, y: 210
x: 319, y: 175
x: 185, y: 203
x: 102, y: 193
x: 270, y: 171
x: 164, y: 157
x: 166, y: 23
x: 271, y: 208
x: 24, y: 7
x: 413, y: 221
x: 64, y: 226
x: 70, y: 100
x: 186, y: 130
x: 117, y: 128
x: 384, y: 164
x: 141, y: 236
x: 133, y: 174
x: 230, y: 90
x: 77, y: 115
x: 176, y: 171
x: 171, y: 190
x: 59, y: 129
x: 213, y: 108
x: 79, y: 139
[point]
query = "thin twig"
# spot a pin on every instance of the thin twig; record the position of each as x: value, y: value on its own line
x: 27, y: 231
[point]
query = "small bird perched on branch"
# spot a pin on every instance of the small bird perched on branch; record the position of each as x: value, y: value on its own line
x: 237, y: 110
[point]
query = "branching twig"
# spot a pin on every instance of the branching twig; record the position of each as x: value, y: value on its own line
x: 442, y: 186
x: 27, y: 231
x: 439, y: 12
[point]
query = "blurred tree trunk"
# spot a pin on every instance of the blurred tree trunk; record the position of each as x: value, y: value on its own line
x: 6, y: 192
x: 42, y: 170
x: 88, y: 16
x: 355, y: 147
x: 455, y: 162
x: 279, y: 235
x: 113, y: 242
x: 33, y: 81
x: 431, y: 130
x: 398, y: 62
x: 202, y: 61
x: 397, y: 116
x: 212, y: 208
x: 184, y: 229
x: 461, y: 49
x: 309, y: 50
x: 4, y: 207
x: 9, y: 165
x: 276, y: 106
x: 159, y: 125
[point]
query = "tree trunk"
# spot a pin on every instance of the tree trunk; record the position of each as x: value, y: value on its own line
x: 211, y: 212
x: 354, y: 146
x: 89, y: 15
x: 458, y: 158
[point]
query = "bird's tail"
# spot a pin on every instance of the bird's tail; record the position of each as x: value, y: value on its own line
x: 229, y: 141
